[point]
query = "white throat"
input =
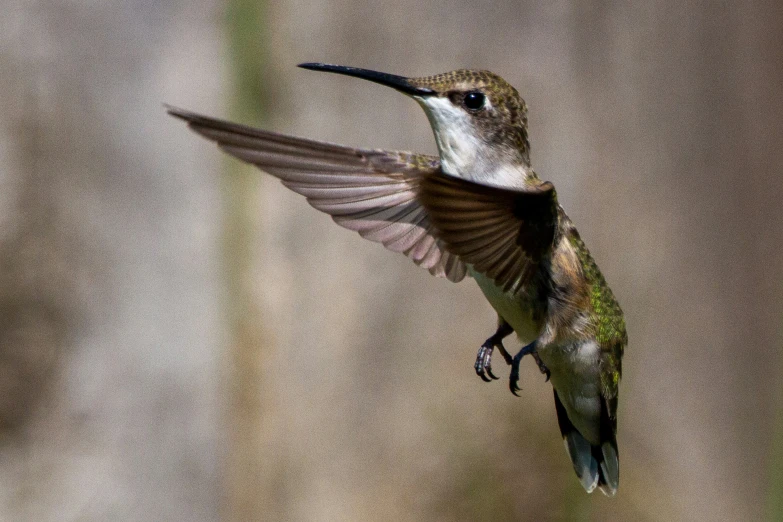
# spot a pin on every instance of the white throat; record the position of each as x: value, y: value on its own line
x: 462, y: 151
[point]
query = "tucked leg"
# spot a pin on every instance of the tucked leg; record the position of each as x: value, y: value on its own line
x: 514, y: 377
x: 541, y: 366
x: 484, y: 358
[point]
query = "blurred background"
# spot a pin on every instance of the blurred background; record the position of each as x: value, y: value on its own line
x: 183, y: 339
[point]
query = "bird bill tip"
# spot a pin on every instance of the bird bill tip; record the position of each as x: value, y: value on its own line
x: 317, y: 66
x: 177, y: 112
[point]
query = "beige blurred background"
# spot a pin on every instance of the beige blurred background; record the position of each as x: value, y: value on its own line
x: 183, y: 339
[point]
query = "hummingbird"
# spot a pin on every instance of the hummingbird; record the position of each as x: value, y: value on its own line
x: 476, y: 210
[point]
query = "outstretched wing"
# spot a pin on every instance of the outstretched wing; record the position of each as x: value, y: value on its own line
x: 370, y: 191
x: 502, y: 232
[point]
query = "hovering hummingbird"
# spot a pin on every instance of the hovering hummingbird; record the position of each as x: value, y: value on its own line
x: 478, y: 210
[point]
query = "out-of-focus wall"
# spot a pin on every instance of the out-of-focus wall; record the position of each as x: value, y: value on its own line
x: 657, y: 123
x: 109, y: 226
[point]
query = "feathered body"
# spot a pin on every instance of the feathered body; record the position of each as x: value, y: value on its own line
x: 580, y: 336
x: 477, y: 209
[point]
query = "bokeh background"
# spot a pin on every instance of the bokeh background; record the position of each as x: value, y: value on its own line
x: 183, y: 339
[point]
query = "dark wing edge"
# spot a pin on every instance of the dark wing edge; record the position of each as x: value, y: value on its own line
x: 373, y: 192
x: 502, y: 232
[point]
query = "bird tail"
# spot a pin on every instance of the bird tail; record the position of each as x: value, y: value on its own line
x: 595, y: 465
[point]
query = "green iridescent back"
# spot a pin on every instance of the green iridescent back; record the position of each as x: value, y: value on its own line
x: 608, y: 318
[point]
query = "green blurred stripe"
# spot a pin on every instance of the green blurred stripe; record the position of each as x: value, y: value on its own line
x: 249, y: 493
x: 246, y: 38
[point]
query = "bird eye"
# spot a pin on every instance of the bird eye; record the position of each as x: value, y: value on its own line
x: 474, y: 100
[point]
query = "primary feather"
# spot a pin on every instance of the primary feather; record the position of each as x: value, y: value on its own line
x: 373, y: 192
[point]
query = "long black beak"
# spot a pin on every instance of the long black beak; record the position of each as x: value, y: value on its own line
x: 400, y: 83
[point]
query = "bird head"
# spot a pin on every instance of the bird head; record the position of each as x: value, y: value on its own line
x: 479, y: 120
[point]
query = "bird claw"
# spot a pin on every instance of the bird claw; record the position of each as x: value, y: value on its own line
x: 483, y: 364
x: 491, y: 375
x: 514, y: 377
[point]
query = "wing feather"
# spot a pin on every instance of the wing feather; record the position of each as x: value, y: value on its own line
x: 373, y: 192
x: 502, y: 232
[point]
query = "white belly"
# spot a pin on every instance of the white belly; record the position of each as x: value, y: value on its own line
x: 576, y: 377
x: 510, y: 308
x: 574, y: 366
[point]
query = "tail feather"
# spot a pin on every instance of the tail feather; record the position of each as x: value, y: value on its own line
x: 585, y: 464
x: 609, y: 464
x: 595, y: 465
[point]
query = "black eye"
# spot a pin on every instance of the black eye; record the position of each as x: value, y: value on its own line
x: 474, y: 100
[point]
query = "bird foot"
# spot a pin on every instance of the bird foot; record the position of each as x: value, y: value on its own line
x: 541, y: 366
x: 483, y: 364
x: 514, y: 377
